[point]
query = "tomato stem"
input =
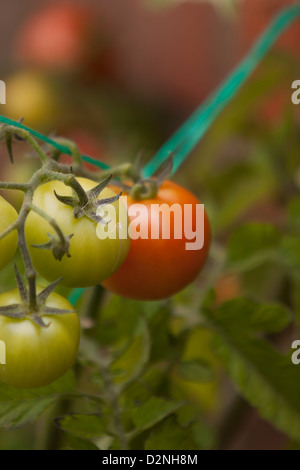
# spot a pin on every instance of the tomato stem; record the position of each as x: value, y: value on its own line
x: 30, y: 272
x: 145, y: 189
x: 9, y: 229
x: 52, y: 170
x: 72, y: 147
x: 15, y: 186
x: 113, y: 399
x: 24, y: 134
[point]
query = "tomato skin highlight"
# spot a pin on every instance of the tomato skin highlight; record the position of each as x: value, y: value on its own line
x: 92, y: 259
x: 37, y: 356
x: 159, y: 268
x: 8, y: 245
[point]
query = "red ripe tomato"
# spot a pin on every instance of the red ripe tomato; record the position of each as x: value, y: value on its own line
x: 56, y: 36
x: 159, y: 268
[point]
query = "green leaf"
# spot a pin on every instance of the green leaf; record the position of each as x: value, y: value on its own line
x: 295, y: 297
x: 169, y: 436
x: 267, y: 379
x: 186, y: 415
x: 20, y: 406
x: 149, y: 383
x: 294, y: 212
x: 152, y: 412
x: 196, y: 371
x: 204, y: 435
x: 83, y: 426
x: 160, y: 333
x: 251, y: 245
x: 290, y: 250
x: 245, y: 315
x: 80, y: 444
x: 131, y: 363
x: 241, y: 196
x: 115, y: 328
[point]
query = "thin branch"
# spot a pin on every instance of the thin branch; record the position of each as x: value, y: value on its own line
x: 69, y: 180
x: 75, y: 152
x: 30, y: 272
x: 17, y: 186
x: 113, y: 398
x: 50, y: 220
x: 24, y: 134
x: 9, y: 229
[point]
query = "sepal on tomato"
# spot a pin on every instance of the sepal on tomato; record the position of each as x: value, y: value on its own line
x: 59, y: 247
x: 23, y: 310
x: 87, y: 203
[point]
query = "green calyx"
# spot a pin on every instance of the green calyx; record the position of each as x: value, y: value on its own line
x: 87, y: 203
x: 34, y: 313
x: 147, y: 188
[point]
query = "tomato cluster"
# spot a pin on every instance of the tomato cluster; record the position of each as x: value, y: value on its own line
x: 143, y: 268
x: 140, y: 268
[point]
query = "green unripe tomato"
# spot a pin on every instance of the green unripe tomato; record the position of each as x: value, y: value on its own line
x: 36, y: 356
x: 93, y: 259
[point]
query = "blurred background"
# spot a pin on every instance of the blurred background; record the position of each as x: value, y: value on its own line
x: 100, y: 68
x: 120, y: 76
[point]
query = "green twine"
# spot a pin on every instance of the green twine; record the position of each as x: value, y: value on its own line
x: 55, y: 144
x: 190, y: 133
x: 75, y: 296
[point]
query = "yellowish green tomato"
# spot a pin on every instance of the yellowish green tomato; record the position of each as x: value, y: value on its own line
x: 93, y: 259
x: 36, y: 356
